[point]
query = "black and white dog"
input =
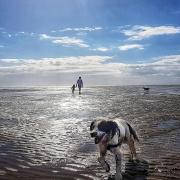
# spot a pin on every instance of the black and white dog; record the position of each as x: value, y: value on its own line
x: 109, y: 135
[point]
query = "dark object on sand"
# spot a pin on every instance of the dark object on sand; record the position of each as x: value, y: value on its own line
x: 79, y: 84
x: 146, y: 88
x: 73, y: 88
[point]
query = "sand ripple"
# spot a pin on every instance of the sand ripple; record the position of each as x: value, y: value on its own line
x: 44, y: 133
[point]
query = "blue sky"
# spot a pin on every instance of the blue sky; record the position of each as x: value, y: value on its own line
x: 117, y: 42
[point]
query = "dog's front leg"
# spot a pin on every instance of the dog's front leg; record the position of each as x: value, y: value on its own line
x: 116, y: 151
x: 101, y: 159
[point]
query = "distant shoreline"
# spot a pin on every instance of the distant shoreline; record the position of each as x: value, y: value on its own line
x: 67, y: 86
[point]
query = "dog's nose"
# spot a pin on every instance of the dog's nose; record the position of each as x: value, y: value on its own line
x: 96, y: 140
x: 94, y: 134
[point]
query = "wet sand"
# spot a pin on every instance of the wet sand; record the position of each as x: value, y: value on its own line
x: 44, y: 132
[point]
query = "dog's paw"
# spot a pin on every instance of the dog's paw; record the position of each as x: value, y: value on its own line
x: 118, y: 176
x: 104, y: 164
x: 111, y: 177
x: 137, y: 160
x: 131, y: 160
x: 134, y: 160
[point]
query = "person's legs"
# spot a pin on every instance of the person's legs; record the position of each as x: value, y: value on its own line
x: 79, y: 89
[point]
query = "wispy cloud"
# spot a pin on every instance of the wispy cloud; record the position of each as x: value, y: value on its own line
x: 64, y: 40
x: 45, y: 36
x: 1, y: 46
x: 131, y: 46
x: 142, y: 32
x: 70, y: 41
x: 102, y: 49
x: 22, y: 33
x: 82, y: 29
x: 6, y: 34
x: 100, y: 69
x: 166, y: 65
x: 66, y: 64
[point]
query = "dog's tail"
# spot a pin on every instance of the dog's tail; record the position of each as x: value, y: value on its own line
x: 133, y: 132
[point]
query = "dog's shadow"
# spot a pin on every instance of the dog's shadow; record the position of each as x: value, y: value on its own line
x: 134, y: 171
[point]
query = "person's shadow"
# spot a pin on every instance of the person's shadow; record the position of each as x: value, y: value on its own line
x: 134, y: 171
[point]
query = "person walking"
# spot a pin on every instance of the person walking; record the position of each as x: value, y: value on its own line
x: 73, y: 88
x: 79, y: 84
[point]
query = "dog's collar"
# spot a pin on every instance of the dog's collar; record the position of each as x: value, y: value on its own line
x: 117, y: 131
x: 110, y: 146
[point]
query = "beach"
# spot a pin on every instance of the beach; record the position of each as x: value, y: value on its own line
x: 44, y: 131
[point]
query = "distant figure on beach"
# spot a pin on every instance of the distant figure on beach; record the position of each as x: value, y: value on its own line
x: 73, y: 88
x: 79, y: 84
x: 146, y: 88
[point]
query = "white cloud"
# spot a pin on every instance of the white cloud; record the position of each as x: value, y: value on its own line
x: 142, y: 32
x: 64, y: 40
x: 45, y: 36
x: 23, y: 34
x: 165, y: 69
x: 82, y: 29
x: 81, y: 33
x: 90, y: 63
x: 103, y: 49
x: 130, y: 46
x: 32, y: 34
x: 1, y: 46
x: 70, y: 41
x: 167, y: 60
x: 66, y: 64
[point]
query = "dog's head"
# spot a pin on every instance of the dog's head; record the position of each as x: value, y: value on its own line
x: 98, y: 131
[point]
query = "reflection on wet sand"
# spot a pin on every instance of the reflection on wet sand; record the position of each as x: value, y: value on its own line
x: 44, y: 132
x: 134, y: 171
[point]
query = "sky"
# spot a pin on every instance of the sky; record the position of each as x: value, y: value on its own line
x: 106, y: 42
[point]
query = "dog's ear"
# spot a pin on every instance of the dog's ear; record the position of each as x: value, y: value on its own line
x: 92, y: 126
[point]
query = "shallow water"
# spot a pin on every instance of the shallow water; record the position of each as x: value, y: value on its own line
x: 44, y: 132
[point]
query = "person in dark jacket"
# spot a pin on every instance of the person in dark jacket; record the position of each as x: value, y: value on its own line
x: 79, y: 84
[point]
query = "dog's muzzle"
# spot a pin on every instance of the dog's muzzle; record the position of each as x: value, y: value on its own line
x: 97, y: 136
x: 94, y: 134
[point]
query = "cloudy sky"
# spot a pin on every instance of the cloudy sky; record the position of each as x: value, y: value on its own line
x: 107, y: 42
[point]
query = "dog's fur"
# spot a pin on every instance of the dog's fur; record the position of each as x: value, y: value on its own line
x: 109, y: 135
